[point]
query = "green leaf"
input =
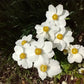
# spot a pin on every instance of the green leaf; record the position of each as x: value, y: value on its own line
x: 66, y: 66
x: 78, y: 75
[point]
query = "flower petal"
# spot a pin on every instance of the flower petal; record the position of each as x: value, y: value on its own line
x: 29, y: 64
x: 81, y: 51
x: 51, y: 8
x: 23, y: 63
x: 46, y: 35
x: 18, y: 42
x: 33, y: 58
x: 48, y: 16
x: 54, y: 68
x: 68, y: 33
x: 52, y: 34
x: 59, y: 9
x: 15, y: 57
x: 64, y: 15
x: 40, y: 36
x: 62, y: 23
x: 55, y: 28
x: 76, y: 46
x: 39, y: 29
x: 68, y: 39
x: 80, y: 70
x: 18, y: 50
x: 61, y: 45
x: 75, y: 58
x: 24, y: 37
x: 50, y: 54
x: 42, y: 60
x: 29, y: 37
x: 40, y: 43
x: 70, y: 58
x: 78, y: 58
x: 47, y: 47
x: 30, y: 51
x: 54, y: 45
x: 26, y: 45
x: 42, y: 75
x: 56, y: 41
x: 62, y: 31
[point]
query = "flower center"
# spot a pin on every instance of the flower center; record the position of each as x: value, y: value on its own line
x: 74, y: 51
x: 60, y: 36
x: 45, y: 28
x: 23, y: 42
x: 43, y: 68
x: 82, y: 71
x: 22, y: 55
x: 38, y: 51
x: 55, y: 17
x: 65, y: 51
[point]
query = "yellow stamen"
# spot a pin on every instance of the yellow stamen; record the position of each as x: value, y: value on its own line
x: 45, y: 28
x: 74, y: 51
x: 55, y: 17
x: 38, y: 51
x: 82, y: 71
x: 60, y: 36
x: 23, y: 42
x: 22, y: 55
x: 43, y: 68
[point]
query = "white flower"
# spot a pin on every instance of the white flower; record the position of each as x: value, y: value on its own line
x: 25, y: 39
x: 45, y: 30
x: 81, y: 70
x: 40, y: 48
x: 62, y: 39
x: 21, y: 57
x: 49, y: 69
x: 57, y: 15
x: 64, y: 82
x: 75, y: 53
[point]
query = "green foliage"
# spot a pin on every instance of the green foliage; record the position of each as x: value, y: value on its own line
x: 78, y: 75
x: 66, y: 66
